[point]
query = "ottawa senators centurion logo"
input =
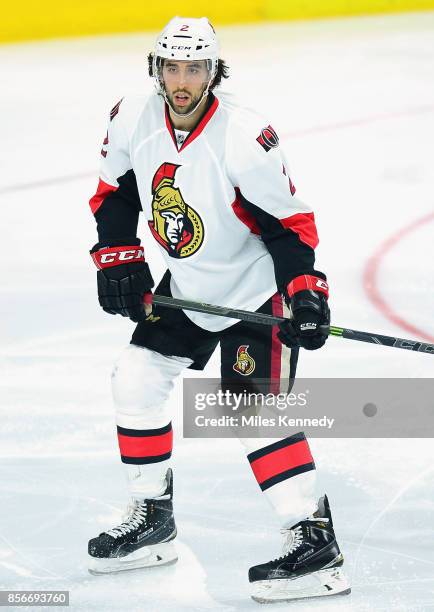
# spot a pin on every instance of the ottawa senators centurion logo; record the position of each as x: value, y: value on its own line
x: 175, y: 225
x: 245, y: 364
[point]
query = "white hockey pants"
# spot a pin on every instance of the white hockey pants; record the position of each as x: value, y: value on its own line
x: 141, y: 384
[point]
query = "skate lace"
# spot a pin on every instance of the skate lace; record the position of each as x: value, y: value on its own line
x: 293, y: 540
x: 134, y: 516
x: 294, y: 537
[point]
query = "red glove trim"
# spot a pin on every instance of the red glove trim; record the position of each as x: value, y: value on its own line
x: 314, y: 283
x: 115, y: 256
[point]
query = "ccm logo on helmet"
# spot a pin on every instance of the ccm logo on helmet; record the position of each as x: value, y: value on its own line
x: 180, y: 48
x: 268, y: 139
x: 106, y: 258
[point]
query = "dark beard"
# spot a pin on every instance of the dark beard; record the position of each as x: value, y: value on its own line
x: 187, y: 109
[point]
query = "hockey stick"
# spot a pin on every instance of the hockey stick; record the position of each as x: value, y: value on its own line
x: 266, y: 319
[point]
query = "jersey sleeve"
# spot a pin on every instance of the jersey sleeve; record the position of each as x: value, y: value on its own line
x: 116, y: 203
x: 265, y: 192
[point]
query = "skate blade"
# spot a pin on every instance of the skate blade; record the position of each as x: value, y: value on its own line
x: 323, y: 583
x: 148, y: 556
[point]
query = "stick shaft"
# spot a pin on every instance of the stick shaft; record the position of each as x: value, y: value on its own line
x: 402, y: 343
x: 220, y: 311
x: 265, y: 319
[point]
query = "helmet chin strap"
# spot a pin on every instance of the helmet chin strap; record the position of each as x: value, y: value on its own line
x: 181, y: 116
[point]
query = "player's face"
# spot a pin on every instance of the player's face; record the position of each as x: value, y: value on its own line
x: 184, y: 83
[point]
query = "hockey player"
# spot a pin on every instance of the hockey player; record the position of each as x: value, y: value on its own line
x: 215, y: 189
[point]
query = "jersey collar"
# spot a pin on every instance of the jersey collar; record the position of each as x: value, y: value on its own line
x: 210, y: 110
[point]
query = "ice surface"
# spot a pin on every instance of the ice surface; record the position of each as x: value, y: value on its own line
x: 353, y: 101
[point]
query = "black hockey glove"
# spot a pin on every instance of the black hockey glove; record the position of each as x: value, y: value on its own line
x: 306, y: 296
x: 124, y: 281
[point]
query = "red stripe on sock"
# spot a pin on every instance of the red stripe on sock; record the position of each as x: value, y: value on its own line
x: 281, y: 460
x: 146, y: 446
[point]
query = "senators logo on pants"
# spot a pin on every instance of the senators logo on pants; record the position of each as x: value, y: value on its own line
x: 245, y: 364
x: 175, y: 225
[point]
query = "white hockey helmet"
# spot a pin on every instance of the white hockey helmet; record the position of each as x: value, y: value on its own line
x: 186, y: 39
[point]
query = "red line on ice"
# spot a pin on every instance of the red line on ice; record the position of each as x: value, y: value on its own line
x: 359, y: 121
x: 370, y: 277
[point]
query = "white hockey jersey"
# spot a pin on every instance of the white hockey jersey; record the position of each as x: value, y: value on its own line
x: 192, y: 194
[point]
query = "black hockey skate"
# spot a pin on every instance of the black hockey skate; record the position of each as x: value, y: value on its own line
x: 144, y: 539
x: 310, y: 565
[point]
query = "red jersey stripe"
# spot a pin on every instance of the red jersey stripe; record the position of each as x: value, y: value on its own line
x: 276, y: 346
x: 102, y: 192
x: 201, y: 125
x: 303, y: 224
x: 197, y: 130
x: 244, y: 215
